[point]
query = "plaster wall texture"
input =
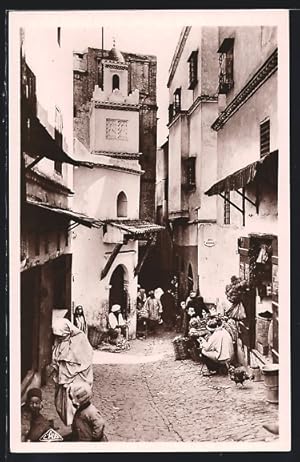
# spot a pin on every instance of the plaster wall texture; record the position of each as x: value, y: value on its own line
x: 238, y: 146
x: 246, y: 60
x: 239, y: 139
x: 205, y: 41
x: 108, y: 77
x: 175, y: 136
x: 87, y: 287
x: 142, y: 77
x: 203, y: 144
x: 105, y: 185
x: 103, y: 139
x: 54, y: 89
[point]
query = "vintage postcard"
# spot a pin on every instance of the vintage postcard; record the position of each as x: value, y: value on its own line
x: 149, y: 231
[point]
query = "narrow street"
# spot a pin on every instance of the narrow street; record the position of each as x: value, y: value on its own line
x: 145, y: 395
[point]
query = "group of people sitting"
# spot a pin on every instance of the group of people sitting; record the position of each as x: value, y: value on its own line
x: 213, y: 339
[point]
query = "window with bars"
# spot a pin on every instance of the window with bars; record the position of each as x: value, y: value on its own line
x: 190, y: 164
x: 227, y: 208
x: 265, y: 138
x: 226, y: 66
x: 177, y: 101
x: 193, y: 69
x: 58, y: 138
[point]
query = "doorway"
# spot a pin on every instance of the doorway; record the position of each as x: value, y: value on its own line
x: 30, y: 319
x: 119, y: 290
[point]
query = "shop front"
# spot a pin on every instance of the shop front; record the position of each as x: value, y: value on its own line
x: 259, y: 266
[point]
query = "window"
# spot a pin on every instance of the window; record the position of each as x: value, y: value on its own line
x: 193, y: 69
x: 190, y: 172
x: 171, y: 112
x: 122, y: 205
x: 265, y: 138
x: 58, y: 35
x: 177, y: 101
x: 226, y: 66
x: 227, y: 208
x: 115, y: 82
x: 58, y: 138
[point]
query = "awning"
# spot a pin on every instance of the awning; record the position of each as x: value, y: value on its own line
x: 38, y: 142
x: 80, y: 218
x: 267, y: 167
x: 138, y: 229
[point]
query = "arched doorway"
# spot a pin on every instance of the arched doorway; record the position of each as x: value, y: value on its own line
x: 119, y: 289
x: 190, y: 279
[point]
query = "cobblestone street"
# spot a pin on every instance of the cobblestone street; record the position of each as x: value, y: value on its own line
x: 145, y: 395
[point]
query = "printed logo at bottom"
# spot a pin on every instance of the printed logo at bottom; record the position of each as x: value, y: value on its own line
x: 51, y: 435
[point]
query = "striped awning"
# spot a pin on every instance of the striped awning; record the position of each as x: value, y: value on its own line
x: 266, y: 167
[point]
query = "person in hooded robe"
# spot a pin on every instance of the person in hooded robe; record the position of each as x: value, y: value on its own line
x: 72, y: 357
x: 79, y: 319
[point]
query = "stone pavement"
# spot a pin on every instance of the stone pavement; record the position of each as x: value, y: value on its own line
x: 145, y: 395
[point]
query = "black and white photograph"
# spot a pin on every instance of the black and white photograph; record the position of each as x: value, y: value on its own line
x: 149, y: 231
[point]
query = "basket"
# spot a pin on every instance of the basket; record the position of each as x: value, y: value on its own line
x: 180, y: 345
x: 94, y: 336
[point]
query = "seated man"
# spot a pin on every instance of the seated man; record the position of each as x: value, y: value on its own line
x: 116, y: 323
x: 217, y: 351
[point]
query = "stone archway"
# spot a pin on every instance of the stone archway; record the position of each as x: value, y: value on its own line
x: 119, y: 289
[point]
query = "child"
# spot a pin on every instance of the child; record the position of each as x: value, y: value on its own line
x: 38, y: 424
x: 88, y: 423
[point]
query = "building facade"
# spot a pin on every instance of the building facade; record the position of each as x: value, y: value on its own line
x: 46, y: 186
x: 91, y: 69
x: 247, y: 169
x: 223, y: 168
x: 164, y: 247
x: 192, y: 84
x: 108, y: 124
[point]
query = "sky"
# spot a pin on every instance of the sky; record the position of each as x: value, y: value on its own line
x: 160, y: 41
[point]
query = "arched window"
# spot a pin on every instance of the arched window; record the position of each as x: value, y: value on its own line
x: 122, y: 205
x: 116, y: 82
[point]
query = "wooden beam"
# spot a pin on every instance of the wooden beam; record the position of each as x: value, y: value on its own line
x: 140, y: 264
x: 111, y: 259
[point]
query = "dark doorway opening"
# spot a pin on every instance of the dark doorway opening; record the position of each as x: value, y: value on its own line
x: 30, y: 302
x: 118, y: 291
